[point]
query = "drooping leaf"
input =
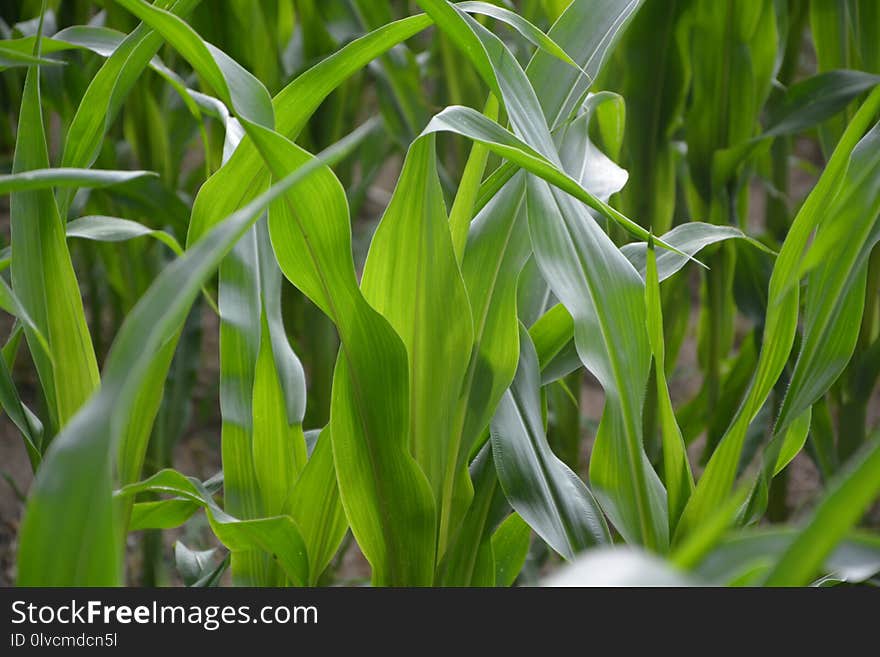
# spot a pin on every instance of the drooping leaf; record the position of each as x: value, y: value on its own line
x: 541, y: 488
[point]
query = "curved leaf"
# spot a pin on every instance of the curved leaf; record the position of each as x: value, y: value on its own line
x: 541, y: 488
x: 277, y: 535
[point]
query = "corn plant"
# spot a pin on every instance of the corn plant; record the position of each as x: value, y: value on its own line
x: 417, y: 393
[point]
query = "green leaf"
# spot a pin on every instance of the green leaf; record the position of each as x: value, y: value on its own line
x: 606, y: 300
x: 28, y: 424
x: 385, y: 494
x: 108, y: 89
x: 113, y: 229
x: 192, y: 564
x: 541, y: 488
x: 510, y: 545
x: 469, y: 559
x: 689, y: 238
x: 277, y: 535
x: 835, y: 293
x: 780, y: 324
x: 11, y: 58
x: 162, y: 514
x: 473, y: 125
x: 844, y: 503
x: 855, y: 558
x: 589, y: 31
x: 38, y: 179
x: 43, y: 277
x: 317, y: 508
x: 809, y: 102
x: 238, y: 180
x: 552, y: 336
x: 521, y: 25
x: 414, y: 260
x: 71, y: 496
x: 677, y: 475
x: 463, y: 207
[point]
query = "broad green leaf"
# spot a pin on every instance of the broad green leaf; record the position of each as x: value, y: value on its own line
x: 279, y: 448
x: 496, y: 250
x: 606, y: 301
x: 532, y: 147
x: 623, y: 467
x: 805, y: 105
x: 809, y: 102
x: 473, y: 125
x: 588, y: 30
x: 10, y: 302
x: 383, y: 540
x: 162, y: 514
x: 835, y: 31
x: 71, y: 496
x: 552, y: 337
x: 689, y: 238
x: 405, y: 108
x: 469, y: 559
x: 414, y: 261
x: 541, y: 488
x: 241, y: 91
x: 464, y: 205
x: 553, y: 332
x: 510, y: 545
x: 262, y: 382
x: 43, y: 278
x: 698, y: 544
x: 169, y: 513
x: 589, y: 166
x: 386, y: 496
x: 317, y: 509
x: 778, y: 453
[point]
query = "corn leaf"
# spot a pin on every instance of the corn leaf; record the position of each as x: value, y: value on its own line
x: 510, y: 546
x: 277, y: 535
x: 541, y: 488
x: 836, y: 285
x: 781, y: 322
x: 843, y: 505
x: 677, y: 475
x: 43, y: 277
x: 71, y: 496
x: 415, y: 261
